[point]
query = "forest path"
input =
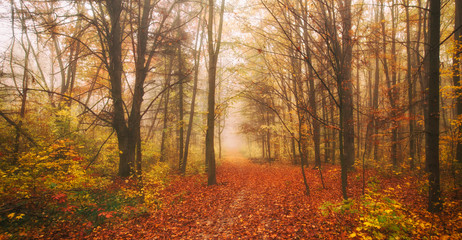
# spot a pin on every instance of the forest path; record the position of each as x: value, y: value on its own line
x: 249, y: 201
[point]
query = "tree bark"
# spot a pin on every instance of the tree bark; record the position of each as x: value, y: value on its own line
x: 196, y: 55
x: 432, y: 120
x: 115, y: 69
x: 347, y: 87
x: 212, y: 70
x: 182, y: 164
x: 456, y: 75
x: 411, y: 88
x: 163, y: 147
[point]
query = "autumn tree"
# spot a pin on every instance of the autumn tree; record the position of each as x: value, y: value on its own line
x: 145, y: 42
x: 432, y: 119
x: 213, y: 51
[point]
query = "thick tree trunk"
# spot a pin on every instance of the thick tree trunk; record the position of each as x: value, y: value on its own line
x: 347, y: 85
x: 210, y: 134
x: 114, y: 8
x: 432, y: 120
x: 212, y: 70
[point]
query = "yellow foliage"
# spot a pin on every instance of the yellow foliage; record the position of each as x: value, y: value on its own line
x: 154, y: 183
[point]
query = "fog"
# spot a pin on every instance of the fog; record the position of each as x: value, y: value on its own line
x: 233, y: 142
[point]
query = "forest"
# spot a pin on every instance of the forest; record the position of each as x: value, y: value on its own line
x: 230, y: 119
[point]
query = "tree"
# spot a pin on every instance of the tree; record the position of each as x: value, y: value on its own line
x: 456, y: 73
x: 145, y: 41
x: 432, y: 118
x: 196, y: 57
x: 213, y: 51
x: 411, y: 88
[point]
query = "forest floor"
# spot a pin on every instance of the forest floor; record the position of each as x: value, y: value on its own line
x: 261, y: 201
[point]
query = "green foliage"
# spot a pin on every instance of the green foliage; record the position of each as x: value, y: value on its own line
x: 373, y: 184
x: 383, y: 218
x: 154, y: 182
x: 326, y: 208
x: 375, y: 217
x: 61, y: 184
x: 195, y: 167
x: 345, y: 207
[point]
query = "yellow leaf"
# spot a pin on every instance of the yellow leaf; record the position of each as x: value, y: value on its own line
x: 11, y: 215
x: 352, y: 235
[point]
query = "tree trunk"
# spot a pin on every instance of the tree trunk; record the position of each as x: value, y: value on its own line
x: 311, y: 87
x: 163, y: 147
x: 212, y: 70
x: 390, y: 82
x: 114, y: 8
x: 196, y: 55
x: 410, y: 91
x: 375, y: 107
x: 268, y: 136
x: 326, y: 131
x: 141, y: 70
x: 22, y: 113
x: 347, y: 85
x: 456, y: 75
x: 432, y: 120
x: 394, y: 91
x: 182, y: 164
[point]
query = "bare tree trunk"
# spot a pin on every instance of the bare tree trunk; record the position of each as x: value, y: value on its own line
x: 411, y: 88
x: 212, y: 70
x: 114, y: 68
x: 163, y: 147
x: 394, y: 91
x: 375, y: 107
x: 347, y: 85
x: 390, y: 81
x: 326, y: 132
x: 311, y: 87
x: 22, y: 112
x: 181, y: 77
x: 432, y: 120
x: 196, y: 55
x: 333, y: 139
x: 423, y: 78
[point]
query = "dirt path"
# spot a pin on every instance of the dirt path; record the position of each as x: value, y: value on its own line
x: 249, y: 201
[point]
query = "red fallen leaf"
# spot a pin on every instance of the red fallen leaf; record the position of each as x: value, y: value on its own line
x: 60, y: 197
x: 255, y: 202
x: 106, y: 214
